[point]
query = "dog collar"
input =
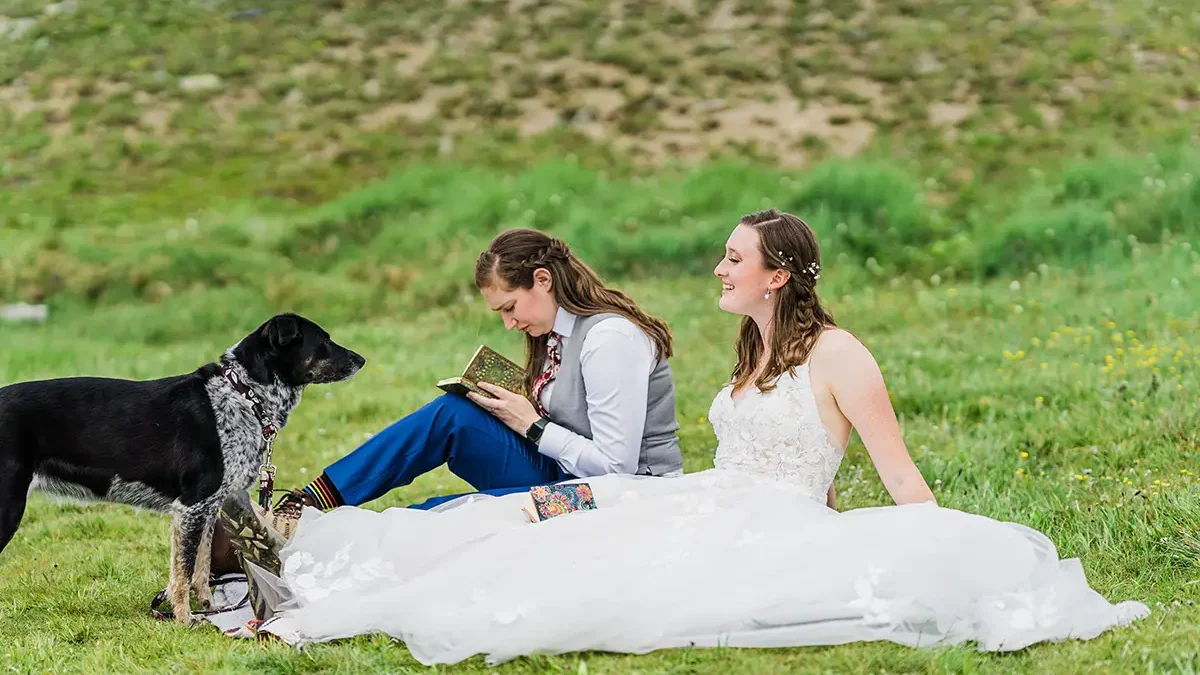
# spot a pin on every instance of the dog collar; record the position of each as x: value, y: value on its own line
x: 268, y: 430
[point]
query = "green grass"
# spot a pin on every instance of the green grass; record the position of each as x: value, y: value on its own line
x: 1013, y: 413
x: 371, y: 247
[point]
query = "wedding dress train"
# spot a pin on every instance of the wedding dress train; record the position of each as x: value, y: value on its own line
x: 745, y: 554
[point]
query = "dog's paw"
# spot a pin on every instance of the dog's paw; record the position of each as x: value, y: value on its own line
x: 204, y: 597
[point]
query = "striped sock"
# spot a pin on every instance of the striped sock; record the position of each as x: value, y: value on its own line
x: 324, y: 492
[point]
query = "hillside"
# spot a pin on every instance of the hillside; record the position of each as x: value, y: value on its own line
x: 198, y: 100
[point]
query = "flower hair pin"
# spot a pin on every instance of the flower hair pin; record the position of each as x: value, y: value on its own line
x: 814, y: 270
x: 786, y: 258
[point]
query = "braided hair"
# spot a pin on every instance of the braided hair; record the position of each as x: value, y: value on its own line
x: 786, y: 243
x: 514, y: 255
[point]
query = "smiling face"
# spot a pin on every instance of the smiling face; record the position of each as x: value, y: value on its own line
x: 744, y: 276
x: 529, y: 310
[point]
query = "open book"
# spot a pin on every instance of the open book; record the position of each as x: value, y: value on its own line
x: 487, y: 365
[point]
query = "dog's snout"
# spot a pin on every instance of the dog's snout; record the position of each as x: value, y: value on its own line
x: 350, y: 363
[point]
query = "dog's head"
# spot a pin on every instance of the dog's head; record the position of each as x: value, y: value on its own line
x: 296, y: 351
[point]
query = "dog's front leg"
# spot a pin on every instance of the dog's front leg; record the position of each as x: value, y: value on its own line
x: 200, y: 577
x: 177, y: 585
x: 188, y: 536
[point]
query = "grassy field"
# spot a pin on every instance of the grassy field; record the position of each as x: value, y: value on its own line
x: 1007, y: 196
x: 1066, y: 404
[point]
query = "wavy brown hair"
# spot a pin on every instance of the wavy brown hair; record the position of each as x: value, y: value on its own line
x: 786, y: 243
x: 515, y: 254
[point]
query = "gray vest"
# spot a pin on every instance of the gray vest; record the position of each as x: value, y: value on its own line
x: 660, y: 444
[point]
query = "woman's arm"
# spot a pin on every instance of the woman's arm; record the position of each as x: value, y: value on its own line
x: 616, y: 359
x: 861, y: 395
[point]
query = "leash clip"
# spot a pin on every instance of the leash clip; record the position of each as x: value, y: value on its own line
x: 266, y: 485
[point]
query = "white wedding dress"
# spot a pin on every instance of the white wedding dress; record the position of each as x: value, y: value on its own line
x: 745, y: 554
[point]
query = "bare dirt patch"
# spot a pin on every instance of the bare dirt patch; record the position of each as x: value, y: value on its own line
x: 602, y: 102
x: 536, y: 117
x: 227, y: 106
x: 420, y: 110
x: 156, y: 117
x: 950, y: 114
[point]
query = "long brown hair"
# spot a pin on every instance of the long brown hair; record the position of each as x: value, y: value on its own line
x: 786, y: 243
x: 515, y: 254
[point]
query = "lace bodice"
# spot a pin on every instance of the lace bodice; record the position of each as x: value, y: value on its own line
x: 777, y: 434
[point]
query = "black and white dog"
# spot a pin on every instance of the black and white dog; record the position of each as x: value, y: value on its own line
x: 179, y: 444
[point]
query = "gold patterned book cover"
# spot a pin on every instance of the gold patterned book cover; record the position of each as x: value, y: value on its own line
x: 487, y: 365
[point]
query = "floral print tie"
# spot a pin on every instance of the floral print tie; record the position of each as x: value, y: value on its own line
x: 549, y: 371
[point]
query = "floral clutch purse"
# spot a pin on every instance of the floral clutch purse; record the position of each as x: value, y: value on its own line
x: 547, y: 501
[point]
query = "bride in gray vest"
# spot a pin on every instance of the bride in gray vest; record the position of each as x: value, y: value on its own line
x: 584, y: 417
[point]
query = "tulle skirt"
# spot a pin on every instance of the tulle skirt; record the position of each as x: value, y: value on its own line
x: 714, y: 558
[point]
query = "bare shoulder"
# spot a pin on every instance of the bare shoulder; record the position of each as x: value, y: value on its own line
x: 841, y: 347
x: 843, y: 362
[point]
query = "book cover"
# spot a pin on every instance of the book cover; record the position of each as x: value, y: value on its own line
x: 487, y: 365
x: 547, y: 501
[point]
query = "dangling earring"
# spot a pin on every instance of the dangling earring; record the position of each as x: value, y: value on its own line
x: 768, y: 295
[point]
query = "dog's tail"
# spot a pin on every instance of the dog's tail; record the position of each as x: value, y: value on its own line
x: 15, y: 479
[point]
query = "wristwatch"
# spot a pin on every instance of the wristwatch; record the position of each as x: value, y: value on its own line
x: 534, y: 432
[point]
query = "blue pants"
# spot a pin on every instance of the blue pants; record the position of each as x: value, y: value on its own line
x: 451, y: 430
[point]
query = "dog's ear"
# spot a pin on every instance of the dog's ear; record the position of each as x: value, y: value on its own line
x: 282, y: 331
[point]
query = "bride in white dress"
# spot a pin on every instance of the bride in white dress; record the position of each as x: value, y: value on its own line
x: 746, y: 554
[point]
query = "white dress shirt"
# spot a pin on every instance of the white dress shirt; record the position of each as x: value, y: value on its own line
x: 617, y: 358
